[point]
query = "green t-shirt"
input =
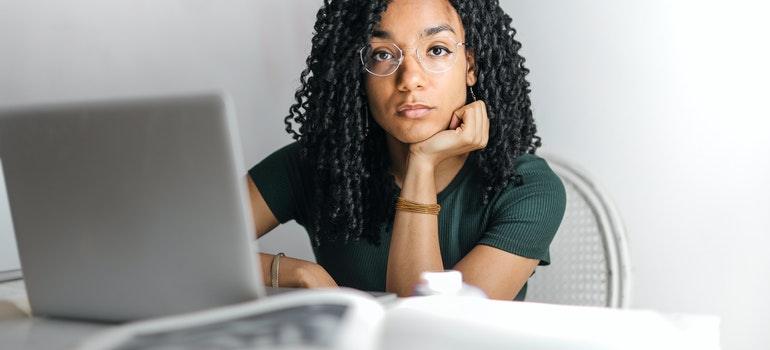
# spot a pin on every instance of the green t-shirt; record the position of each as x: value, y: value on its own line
x: 520, y: 219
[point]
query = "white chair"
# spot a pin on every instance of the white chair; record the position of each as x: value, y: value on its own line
x: 589, y: 255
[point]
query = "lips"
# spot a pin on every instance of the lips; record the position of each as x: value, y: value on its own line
x: 414, y: 110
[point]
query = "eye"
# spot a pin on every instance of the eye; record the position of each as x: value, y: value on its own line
x: 438, y: 51
x: 382, y: 56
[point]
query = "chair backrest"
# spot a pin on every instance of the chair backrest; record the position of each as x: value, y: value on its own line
x: 589, y: 255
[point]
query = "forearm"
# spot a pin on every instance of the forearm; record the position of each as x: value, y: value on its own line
x: 414, y: 243
x: 266, y: 261
x: 289, y: 274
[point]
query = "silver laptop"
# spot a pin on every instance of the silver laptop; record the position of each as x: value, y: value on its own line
x: 129, y: 209
x: 9, y: 258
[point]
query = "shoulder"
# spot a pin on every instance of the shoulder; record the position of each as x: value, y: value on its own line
x: 525, y: 216
x: 286, y: 156
x: 282, y: 180
x: 290, y: 151
x: 540, y: 186
x: 535, y: 170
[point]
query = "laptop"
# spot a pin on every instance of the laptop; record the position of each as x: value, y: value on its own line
x: 129, y: 209
x: 10, y: 268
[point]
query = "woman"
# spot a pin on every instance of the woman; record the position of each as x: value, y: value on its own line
x: 414, y: 152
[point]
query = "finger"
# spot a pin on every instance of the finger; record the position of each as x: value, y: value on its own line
x: 480, y: 115
x: 485, y: 133
x: 457, y: 117
x: 468, y: 117
x: 485, y: 128
x: 454, y: 122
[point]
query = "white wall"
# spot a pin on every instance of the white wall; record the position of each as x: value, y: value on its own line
x: 666, y: 104
x: 83, y: 49
x: 663, y: 102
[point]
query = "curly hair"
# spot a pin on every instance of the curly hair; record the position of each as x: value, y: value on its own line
x: 346, y: 150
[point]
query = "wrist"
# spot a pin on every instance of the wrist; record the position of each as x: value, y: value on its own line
x: 305, y: 274
x: 421, y: 162
x: 291, y: 273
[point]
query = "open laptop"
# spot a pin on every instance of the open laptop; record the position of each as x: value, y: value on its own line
x: 10, y: 268
x: 129, y: 209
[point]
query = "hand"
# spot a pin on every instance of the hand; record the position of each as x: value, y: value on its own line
x: 298, y: 273
x: 468, y: 131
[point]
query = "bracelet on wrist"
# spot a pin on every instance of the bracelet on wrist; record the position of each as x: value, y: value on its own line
x: 274, y: 267
x: 414, y: 207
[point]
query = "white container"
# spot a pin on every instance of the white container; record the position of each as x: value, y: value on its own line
x: 449, y: 282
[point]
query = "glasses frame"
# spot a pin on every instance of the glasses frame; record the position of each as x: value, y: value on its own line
x: 401, y: 60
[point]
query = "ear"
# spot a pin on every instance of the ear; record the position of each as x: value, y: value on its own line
x: 470, y: 70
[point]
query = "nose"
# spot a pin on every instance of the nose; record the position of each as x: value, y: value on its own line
x: 410, y: 74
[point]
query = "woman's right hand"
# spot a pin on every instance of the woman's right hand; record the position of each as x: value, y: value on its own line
x: 468, y: 131
x: 297, y: 273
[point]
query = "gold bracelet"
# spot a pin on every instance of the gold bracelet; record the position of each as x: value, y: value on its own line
x: 274, y: 269
x: 414, y: 207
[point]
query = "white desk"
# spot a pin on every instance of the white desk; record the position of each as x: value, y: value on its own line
x: 446, y: 324
x: 20, y: 331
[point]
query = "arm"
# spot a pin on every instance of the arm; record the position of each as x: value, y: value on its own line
x: 264, y: 220
x: 532, y: 212
x: 293, y: 272
x: 498, y: 273
x: 414, y: 244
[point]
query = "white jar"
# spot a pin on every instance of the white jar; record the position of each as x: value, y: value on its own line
x: 448, y: 282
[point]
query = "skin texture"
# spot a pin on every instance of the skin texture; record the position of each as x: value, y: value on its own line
x: 425, y: 154
x: 427, y: 165
x: 444, y: 92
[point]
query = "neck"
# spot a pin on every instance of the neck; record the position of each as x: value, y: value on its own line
x: 399, y: 161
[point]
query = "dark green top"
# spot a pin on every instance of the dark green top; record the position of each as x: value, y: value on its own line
x: 520, y: 219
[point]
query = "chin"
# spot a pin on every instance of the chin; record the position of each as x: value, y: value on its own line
x: 412, y: 139
x: 412, y: 130
x: 414, y: 136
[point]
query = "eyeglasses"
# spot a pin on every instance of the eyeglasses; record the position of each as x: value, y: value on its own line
x: 436, y: 55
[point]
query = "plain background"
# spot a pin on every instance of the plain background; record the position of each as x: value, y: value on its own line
x: 664, y: 103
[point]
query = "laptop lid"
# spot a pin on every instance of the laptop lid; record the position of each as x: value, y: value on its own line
x: 10, y: 267
x: 129, y: 209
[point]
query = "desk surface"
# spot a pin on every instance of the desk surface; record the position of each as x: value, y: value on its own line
x: 20, y: 331
x: 436, y: 324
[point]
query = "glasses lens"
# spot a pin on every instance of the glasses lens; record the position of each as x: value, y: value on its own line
x: 438, y: 54
x: 381, y: 58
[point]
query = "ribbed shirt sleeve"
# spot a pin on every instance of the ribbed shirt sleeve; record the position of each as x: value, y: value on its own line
x: 281, y: 181
x: 525, y: 218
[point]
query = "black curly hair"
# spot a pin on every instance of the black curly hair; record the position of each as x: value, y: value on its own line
x: 346, y: 150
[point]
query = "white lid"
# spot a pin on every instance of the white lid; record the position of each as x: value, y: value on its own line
x: 445, y: 282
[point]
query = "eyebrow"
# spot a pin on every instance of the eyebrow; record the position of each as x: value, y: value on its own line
x: 382, y: 34
x: 438, y: 29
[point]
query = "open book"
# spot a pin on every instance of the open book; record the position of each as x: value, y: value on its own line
x: 304, y: 319
x: 348, y: 319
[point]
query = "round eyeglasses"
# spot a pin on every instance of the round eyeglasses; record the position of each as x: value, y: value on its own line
x: 436, y: 55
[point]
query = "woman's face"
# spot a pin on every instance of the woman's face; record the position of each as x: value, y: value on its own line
x: 413, y: 104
